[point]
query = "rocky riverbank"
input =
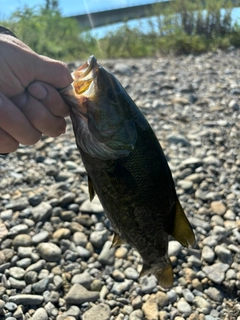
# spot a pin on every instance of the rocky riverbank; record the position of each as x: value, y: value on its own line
x: 55, y: 261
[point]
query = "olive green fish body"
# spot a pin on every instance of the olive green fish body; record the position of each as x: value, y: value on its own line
x: 128, y: 170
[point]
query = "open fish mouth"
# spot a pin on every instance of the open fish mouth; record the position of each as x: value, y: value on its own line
x: 83, y: 85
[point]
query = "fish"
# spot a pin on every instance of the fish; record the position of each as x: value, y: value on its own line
x: 127, y: 169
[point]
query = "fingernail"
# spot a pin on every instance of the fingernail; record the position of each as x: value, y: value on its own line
x: 38, y: 91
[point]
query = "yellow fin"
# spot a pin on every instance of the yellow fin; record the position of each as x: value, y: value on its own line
x: 165, y: 276
x: 90, y: 189
x: 182, y: 230
x: 117, y: 241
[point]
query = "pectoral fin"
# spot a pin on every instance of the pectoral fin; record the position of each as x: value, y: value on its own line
x: 117, y: 241
x: 182, y: 230
x: 90, y: 189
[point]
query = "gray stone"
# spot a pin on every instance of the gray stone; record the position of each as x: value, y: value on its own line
x: 223, y: 254
x: 80, y: 239
x: 78, y: 295
x: 67, y: 198
x: 107, y: 255
x: 98, y: 238
x: 131, y: 273
x: 184, y: 307
x: 120, y: 287
x: 216, y: 272
x: 26, y: 299
x: 202, y: 305
x: 83, y: 278
x: 40, y: 237
x: 22, y: 240
x: 188, y: 295
x: 16, y: 272
x: 93, y: 206
x: 208, y: 254
x: 98, y: 312
x: 148, y: 283
x: 174, y: 248
x: 178, y: 138
x: 49, y: 251
x: 41, y: 285
x: 214, y: 294
x: 18, y: 204
x: 40, y: 314
x: 16, y: 284
x: 42, y: 211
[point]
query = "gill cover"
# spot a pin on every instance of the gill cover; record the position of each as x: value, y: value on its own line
x: 101, y: 113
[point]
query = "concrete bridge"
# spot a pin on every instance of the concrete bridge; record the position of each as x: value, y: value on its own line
x: 102, y: 18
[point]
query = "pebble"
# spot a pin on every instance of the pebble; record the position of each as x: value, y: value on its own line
x: 98, y: 312
x: 107, y: 255
x: 162, y: 299
x: 120, y: 287
x: 216, y: 272
x: 83, y: 278
x: 148, y: 283
x: 218, y: 207
x: 40, y: 314
x: 203, y: 305
x: 214, y: 294
x: 184, y: 307
x: 78, y: 295
x: 42, y: 211
x: 150, y: 308
x: 208, y: 254
x: 49, y: 251
x: 174, y: 248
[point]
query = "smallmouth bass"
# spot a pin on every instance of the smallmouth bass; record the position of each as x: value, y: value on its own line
x: 127, y: 168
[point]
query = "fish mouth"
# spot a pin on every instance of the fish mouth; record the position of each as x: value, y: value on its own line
x: 83, y: 86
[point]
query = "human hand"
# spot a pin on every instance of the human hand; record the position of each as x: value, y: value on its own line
x: 30, y: 104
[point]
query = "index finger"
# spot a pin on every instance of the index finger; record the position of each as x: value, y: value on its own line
x: 14, y: 122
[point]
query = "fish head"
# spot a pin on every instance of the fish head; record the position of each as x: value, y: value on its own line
x: 100, y: 111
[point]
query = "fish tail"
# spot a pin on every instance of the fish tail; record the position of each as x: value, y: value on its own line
x: 164, y: 274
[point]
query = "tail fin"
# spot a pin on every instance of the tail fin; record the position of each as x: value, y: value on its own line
x: 164, y: 275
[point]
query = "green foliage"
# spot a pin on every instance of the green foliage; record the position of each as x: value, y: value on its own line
x: 48, y: 33
x: 181, y: 27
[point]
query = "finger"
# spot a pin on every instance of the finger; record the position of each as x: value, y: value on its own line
x: 14, y: 122
x: 39, y: 116
x: 51, y: 71
x: 7, y: 142
x: 50, y: 97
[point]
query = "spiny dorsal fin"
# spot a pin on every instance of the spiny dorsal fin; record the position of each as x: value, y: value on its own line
x: 90, y: 189
x: 117, y: 241
x: 182, y: 230
x: 165, y: 276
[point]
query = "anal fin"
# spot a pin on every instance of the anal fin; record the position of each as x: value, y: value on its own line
x: 182, y: 230
x: 117, y: 241
x: 90, y: 189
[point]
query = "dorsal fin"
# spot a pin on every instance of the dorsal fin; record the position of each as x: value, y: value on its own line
x: 182, y: 230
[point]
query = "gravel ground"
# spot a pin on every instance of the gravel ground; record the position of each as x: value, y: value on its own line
x: 55, y: 260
